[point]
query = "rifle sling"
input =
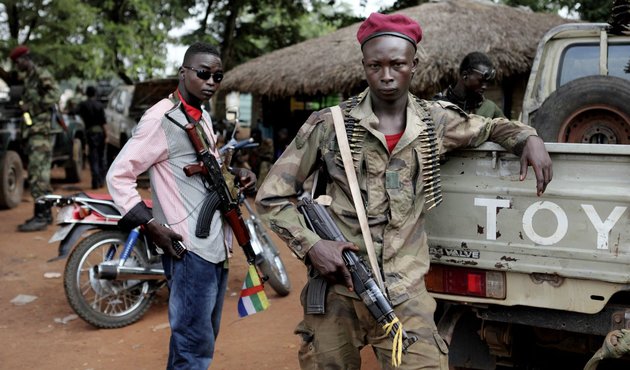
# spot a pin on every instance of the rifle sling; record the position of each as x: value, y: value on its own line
x: 344, y: 148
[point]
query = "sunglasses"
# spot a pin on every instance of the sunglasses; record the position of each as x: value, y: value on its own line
x: 486, y: 75
x: 206, y: 75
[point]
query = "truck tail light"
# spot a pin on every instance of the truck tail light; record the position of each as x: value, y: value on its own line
x: 465, y: 281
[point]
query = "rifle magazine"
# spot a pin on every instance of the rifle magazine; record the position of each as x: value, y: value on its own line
x: 210, y: 205
x: 316, y: 296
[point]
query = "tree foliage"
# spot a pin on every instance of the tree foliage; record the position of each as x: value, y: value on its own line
x: 93, y: 38
x: 588, y: 10
x: 54, y: 30
x: 245, y: 29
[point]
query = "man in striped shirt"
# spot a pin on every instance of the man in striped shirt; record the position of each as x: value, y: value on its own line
x: 197, y: 279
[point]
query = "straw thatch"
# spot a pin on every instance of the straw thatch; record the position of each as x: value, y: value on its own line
x: 452, y: 28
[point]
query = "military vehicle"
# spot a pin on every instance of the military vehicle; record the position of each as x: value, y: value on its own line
x: 68, y: 148
x: 127, y: 103
x: 533, y: 282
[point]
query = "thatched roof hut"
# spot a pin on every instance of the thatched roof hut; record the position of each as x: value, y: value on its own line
x: 452, y: 28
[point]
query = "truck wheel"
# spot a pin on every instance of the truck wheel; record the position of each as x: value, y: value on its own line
x: 12, y: 181
x: 75, y: 164
x: 589, y: 110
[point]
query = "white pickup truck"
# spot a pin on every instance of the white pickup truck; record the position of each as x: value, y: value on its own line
x: 533, y: 282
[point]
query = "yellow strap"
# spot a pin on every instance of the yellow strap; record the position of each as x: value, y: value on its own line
x: 397, y: 341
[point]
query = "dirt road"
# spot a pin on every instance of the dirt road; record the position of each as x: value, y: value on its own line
x: 34, y: 335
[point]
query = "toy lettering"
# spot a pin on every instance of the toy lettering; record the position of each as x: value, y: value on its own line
x: 602, y: 226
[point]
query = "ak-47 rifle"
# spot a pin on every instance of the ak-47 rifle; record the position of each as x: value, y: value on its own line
x: 319, y: 221
x: 220, y: 195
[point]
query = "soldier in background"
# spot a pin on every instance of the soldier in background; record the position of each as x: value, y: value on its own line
x: 72, y: 105
x: 476, y: 72
x: 40, y: 95
x: 93, y: 115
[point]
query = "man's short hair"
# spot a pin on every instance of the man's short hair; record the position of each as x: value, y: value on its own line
x: 90, y: 91
x: 474, y: 59
x: 200, y: 48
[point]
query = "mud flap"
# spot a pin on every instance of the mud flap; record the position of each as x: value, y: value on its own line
x: 70, y: 240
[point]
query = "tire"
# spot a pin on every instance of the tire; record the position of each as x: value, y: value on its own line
x: 76, y: 162
x: 591, y: 109
x: 105, y: 303
x: 12, y: 181
x: 270, y: 265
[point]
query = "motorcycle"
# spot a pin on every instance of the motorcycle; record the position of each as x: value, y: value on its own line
x: 105, y: 300
x: 111, y: 276
x: 268, y: 259
x: 267, y: 255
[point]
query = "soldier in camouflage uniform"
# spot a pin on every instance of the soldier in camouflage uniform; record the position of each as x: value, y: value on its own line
x: 396, y: 140
x: 40, y: 94
x: 475, y: 73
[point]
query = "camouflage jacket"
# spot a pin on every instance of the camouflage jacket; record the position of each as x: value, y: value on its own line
x: 41, y: 92
x: 484, y: 107
x: 391, y: 184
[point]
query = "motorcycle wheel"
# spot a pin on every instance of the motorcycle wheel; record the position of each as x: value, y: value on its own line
x: 270, y: 264
x: 105, y: 303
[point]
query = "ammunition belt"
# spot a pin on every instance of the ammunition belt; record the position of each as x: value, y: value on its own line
x: 356, y: 133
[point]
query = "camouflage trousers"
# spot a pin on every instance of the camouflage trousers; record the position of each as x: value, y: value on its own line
x: 39, y: 162
x: 334, y: 340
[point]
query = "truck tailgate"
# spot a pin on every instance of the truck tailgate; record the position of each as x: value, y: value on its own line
x: 578, y: 229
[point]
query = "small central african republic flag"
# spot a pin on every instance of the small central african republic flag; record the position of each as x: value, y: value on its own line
x: 253, y: 298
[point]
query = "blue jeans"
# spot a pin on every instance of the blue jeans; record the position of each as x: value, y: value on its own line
x: 197, y: 289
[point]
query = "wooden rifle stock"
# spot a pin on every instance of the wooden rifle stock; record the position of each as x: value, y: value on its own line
x: 193, y: 169
x: 195, y: 140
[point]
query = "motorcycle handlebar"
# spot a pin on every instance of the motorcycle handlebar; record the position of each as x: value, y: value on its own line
x: 238, y: 144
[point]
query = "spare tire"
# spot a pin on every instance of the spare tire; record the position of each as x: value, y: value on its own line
x: 593, y: 109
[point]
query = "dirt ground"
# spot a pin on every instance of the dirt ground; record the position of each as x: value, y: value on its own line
x: 34, y: 335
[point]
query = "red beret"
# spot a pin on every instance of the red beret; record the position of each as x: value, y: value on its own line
x: 398, y: 25
x: 18, y: 52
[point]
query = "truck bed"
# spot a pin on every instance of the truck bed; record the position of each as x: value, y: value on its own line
x: 568, y: 249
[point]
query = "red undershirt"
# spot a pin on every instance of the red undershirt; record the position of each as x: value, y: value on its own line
x: 392, y: 140
x: 193, y: 112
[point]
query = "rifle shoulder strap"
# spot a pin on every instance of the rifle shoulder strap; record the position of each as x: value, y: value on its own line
x: 344, y: 148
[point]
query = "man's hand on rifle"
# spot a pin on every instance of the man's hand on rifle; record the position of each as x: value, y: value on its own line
x: 246, y: 178
x: 162, y: 237
x: 325, y: 256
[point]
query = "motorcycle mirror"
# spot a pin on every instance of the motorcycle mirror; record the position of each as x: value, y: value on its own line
x: 232, y: 115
